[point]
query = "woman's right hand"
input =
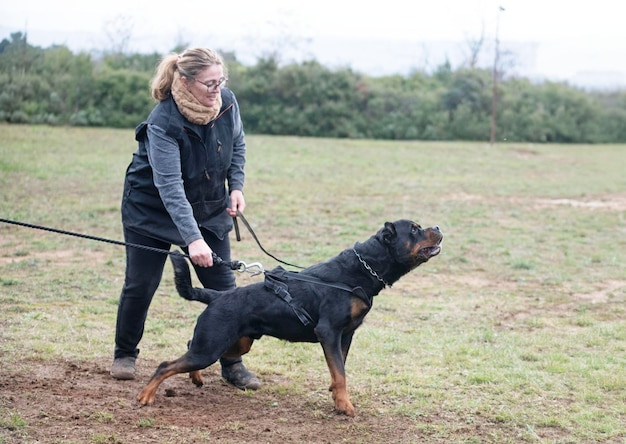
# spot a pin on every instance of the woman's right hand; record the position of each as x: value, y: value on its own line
x: 200, y: 253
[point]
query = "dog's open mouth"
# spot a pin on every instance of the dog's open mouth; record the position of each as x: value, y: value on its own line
x: 429, y: 252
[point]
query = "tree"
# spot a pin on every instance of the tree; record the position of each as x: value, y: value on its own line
x: 495, y: 78
x: 55, y: 86
x: 119, y: 31
x: 475, y: 47
x: 17, y: 57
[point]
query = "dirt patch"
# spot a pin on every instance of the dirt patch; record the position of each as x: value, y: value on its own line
x: 73, y: 402
x: 615, y: 203
x: 603, y: 293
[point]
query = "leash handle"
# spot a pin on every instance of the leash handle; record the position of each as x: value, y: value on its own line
x: 237, y: 233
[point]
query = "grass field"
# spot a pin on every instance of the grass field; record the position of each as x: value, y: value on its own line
x: 515, y: 333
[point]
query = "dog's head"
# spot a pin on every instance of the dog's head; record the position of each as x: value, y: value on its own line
x: 409, y: 244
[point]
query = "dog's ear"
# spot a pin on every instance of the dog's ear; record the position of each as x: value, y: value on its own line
x: 388, y: 232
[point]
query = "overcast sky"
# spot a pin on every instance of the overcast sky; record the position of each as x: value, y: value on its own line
x: 551, y: 39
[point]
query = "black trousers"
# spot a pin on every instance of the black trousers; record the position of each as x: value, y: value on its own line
x: 144, y: 270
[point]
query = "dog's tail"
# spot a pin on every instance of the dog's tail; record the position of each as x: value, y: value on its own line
x: 182, y: 279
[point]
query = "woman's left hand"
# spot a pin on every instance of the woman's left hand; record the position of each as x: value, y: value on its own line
x: 237, y: 202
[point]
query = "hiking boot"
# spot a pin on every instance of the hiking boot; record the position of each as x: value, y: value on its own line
x: 123, y: 368
x: 237, y: 374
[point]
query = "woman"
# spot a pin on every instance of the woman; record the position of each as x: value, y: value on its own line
x: 183, y: 186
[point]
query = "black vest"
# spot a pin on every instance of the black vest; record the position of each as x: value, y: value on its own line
x: 205, y: 154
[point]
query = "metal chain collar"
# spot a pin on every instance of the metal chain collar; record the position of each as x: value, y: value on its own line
x: 368, y: 268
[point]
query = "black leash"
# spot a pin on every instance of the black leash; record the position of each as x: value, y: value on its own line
x: 245, y: 222
x: 233, y: 265
x: 254, y: 268
x: 273, y: 278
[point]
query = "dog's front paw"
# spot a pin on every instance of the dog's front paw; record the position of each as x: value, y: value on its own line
x: 345, y: 406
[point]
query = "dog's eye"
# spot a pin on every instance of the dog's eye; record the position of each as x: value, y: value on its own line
x: 415, y: 229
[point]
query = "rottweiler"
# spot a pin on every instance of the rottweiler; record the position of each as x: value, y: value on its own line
x: 323, y: 303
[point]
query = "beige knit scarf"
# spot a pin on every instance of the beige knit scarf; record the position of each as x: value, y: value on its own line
x: 189, y: 106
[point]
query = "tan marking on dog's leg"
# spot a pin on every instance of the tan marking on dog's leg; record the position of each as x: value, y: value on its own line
x: 341, y: 398
x: 357, y: 308
x: 196, y: 378
x: 147, y: 395
x: 239, y: 348
x: 338, y: 387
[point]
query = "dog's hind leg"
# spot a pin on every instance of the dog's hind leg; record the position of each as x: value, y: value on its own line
x: 196, y: 378
x: 166, y: 369
x: 239, y: 348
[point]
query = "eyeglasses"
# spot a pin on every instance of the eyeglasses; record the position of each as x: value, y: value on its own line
x: 214, y: 84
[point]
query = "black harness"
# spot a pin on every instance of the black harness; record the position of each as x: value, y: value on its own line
x: 277, y: 281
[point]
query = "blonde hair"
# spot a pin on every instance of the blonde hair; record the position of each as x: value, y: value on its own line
x: 188, y: 64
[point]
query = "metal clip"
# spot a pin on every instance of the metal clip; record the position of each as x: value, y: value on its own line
x: 255, y: 268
